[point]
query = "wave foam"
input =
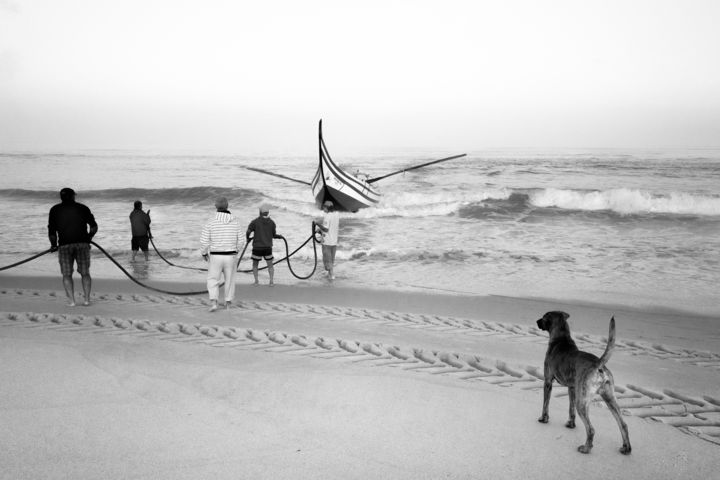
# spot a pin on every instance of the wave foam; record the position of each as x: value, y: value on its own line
x: 419, y: 204
x: 627, y: 201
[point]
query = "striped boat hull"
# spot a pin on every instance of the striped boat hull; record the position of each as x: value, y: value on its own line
x: 347, y: 192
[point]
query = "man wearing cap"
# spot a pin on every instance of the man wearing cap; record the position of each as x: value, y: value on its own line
x: 330, y: 228
x: 140, y: 228
x: 263, y: 230
x: 68, y: 232
x: 219, y: 243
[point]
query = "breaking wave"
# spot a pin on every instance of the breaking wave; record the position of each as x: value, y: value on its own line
x: 622, y: 201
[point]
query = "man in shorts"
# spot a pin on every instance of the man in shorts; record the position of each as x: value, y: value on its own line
x: 68, y: 224
x: 264, y: 231
x: 140, y: 227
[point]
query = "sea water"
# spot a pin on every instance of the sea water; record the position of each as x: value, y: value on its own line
x: 635, y: 228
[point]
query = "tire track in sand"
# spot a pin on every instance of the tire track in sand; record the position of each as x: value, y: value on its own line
x: 696, y: 416
x: 437, y: 323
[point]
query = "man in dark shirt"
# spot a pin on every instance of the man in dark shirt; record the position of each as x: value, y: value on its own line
x: 69, y: 235
x: 263, y: 230
x: 140, y: 227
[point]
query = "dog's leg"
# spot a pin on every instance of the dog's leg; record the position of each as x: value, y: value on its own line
x: 547, y: 390
x: 571, y: 418
x: 583, y: 407
x: 607, y: 394
x: 583, y: 410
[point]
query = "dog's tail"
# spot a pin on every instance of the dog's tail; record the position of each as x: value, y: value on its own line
x: 610, y: 345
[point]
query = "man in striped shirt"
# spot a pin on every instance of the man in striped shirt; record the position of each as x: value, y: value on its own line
x: 219, y: 242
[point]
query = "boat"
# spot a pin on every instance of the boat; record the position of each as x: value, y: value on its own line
x: 348, y: 192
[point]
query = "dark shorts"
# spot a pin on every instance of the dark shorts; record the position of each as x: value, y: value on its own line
x: 140, y: 243
x: 259, y: 253
x: 74, y: 252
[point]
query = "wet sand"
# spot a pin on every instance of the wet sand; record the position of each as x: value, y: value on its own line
x: 335, y: 382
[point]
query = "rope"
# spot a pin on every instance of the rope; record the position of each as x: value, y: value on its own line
x: 155, y: 289
x: 26, y: 260
x: 288, y: 255
x: 286, y: 258
x: 139, y: 282
x: 169, y: 262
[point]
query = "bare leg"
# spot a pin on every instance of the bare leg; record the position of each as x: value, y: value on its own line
x: 271, y: 271
x: 255, y: 270
x: 69, y: 289
x: 87, y: 286
x: 331, y: 271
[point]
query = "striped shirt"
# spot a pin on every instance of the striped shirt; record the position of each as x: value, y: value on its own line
x: 221, y: 234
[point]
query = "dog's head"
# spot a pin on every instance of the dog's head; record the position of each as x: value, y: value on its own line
x: 552, y: 320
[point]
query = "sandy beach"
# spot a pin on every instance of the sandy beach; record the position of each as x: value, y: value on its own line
x: 332, y: 382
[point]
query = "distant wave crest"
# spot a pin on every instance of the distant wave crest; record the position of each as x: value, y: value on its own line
x: 178, y: 195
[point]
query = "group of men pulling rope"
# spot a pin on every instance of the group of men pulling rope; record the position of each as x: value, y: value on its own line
x: 71, y: 227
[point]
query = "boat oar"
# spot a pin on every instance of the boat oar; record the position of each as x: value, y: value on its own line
x: 277, y: 175
x: 372, y: 180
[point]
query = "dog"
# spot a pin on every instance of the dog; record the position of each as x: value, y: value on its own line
x: 582, y: 373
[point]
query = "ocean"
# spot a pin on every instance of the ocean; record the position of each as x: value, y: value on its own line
x: 628, y: 227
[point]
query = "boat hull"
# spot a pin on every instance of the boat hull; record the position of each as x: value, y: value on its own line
x: 346, y: 191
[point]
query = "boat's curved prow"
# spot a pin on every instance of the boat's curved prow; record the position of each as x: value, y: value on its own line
x: 347, y: 192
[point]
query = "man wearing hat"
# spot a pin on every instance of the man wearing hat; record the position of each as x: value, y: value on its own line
x: 68, y: 232
x: 330, y: 228
x: 263, y: 230
x: 219, y: 242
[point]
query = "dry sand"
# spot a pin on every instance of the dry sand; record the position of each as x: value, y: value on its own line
x: 328, y: 382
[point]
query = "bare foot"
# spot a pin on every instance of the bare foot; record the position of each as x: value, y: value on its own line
x: 86, y: 303
x: 71, y: 303
x: 271, y: 284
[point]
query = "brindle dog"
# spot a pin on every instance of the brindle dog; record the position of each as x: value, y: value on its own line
x: 582, y: 373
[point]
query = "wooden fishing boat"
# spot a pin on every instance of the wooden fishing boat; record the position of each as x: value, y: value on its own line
x: 348, y: 192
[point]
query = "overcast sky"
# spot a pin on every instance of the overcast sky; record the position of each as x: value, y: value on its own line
x: 248, y: 76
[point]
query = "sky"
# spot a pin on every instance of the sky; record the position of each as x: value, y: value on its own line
x: 256, y: 76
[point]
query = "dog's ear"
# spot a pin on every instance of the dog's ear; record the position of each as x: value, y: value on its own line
x: 564, y: 315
